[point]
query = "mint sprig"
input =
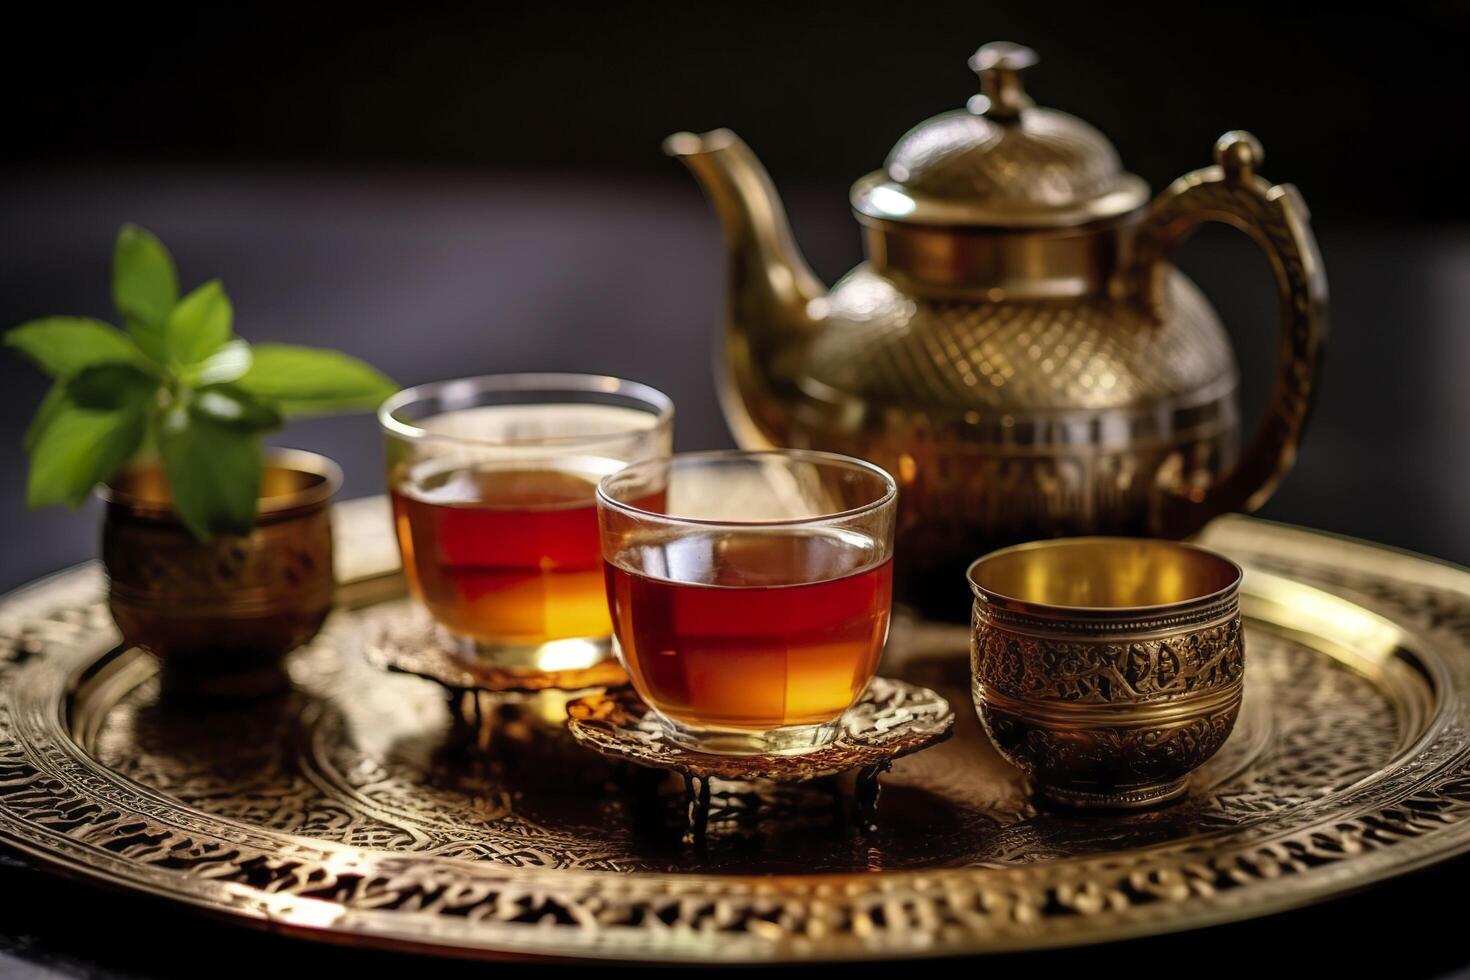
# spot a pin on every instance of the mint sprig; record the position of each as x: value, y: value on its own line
x: 179, y: 380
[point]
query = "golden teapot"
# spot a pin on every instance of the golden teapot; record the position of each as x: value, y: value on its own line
x: 1018, y: 349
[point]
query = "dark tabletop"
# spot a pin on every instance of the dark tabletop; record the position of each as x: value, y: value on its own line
x: 440, y: 275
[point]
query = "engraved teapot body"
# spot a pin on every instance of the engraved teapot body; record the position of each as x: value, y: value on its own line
x: 1017, y: 349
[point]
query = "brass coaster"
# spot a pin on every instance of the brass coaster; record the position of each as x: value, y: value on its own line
x: 891, y: 720
x: 415, y: 645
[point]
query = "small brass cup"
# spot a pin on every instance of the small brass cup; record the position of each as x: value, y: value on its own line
x: 1107, y: 668
x: 222, y: 614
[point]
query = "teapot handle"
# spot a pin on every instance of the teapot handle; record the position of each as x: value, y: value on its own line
x: 1276, y: 219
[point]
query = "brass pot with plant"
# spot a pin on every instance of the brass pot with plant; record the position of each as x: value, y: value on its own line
x: 218, y: 553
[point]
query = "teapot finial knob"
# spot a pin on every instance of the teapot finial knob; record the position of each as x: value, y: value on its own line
x: 999, y: 65
x: 1239, y: 154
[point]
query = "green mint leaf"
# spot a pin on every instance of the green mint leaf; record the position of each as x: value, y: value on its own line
x: 234, y: 408
x: 145, y: 288
x: 213, y: 473
x: 79, y: 448
x: 111, y: 386
x: 308, y: 379
x: 49, y: 407
x: 64, y: 345
x: 200, y: 324
x: 227, y: 364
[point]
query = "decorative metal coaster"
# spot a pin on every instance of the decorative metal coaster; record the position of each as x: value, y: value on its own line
x: 416, y: 645
x: 891, y: 720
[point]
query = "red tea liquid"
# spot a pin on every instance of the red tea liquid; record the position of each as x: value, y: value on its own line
x: 780, y: 629
x: 507, y: 556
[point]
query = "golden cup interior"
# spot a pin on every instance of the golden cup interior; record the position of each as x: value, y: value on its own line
x: 1102, y: 574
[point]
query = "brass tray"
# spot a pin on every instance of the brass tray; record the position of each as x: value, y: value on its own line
x: 358, y: 809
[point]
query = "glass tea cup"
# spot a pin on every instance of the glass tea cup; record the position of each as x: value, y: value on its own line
x: 751, y: 603
x: 493, y: 482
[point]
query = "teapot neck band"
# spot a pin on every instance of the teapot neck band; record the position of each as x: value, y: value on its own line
x: 999, y: 263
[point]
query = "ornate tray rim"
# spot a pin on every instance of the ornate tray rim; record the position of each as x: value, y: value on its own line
x: 1421, y: 820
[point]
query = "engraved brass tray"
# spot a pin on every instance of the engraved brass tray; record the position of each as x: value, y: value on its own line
x: 357, y: 808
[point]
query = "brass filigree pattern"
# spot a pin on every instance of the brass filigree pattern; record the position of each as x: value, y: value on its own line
x: 1335, y: 777
x: 892, y: 719
x: 1109, y: 710
x: 885, y: 348
x: 247, y: 599
x: 1052, y: 160
x: 1002, y: 160
x: 1132, y: 671
x: 1121, y: 765
x: 1013, y: 420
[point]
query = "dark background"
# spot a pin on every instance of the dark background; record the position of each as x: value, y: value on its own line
x: 466, y: 188
x: 1363, y: 108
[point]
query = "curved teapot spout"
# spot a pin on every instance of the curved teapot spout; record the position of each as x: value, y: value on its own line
x: 769, y: 288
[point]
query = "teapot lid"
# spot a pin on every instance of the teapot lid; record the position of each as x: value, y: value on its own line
x: 1001, y: 161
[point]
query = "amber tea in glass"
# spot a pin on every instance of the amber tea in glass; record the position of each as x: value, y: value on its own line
x: 752, y: 606
x: 493, y: 483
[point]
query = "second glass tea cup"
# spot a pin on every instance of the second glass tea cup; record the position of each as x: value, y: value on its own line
x: 751, y: 600
x: 493, y: 481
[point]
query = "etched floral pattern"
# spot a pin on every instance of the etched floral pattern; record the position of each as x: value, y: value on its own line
x: 1108, y: 672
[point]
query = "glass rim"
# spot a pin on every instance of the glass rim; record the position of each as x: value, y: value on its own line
x: 662, y: 405
x: 889, y: 495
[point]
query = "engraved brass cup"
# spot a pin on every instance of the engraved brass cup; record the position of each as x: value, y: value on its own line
x: 1107, y: 668
x: 222, y: 614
